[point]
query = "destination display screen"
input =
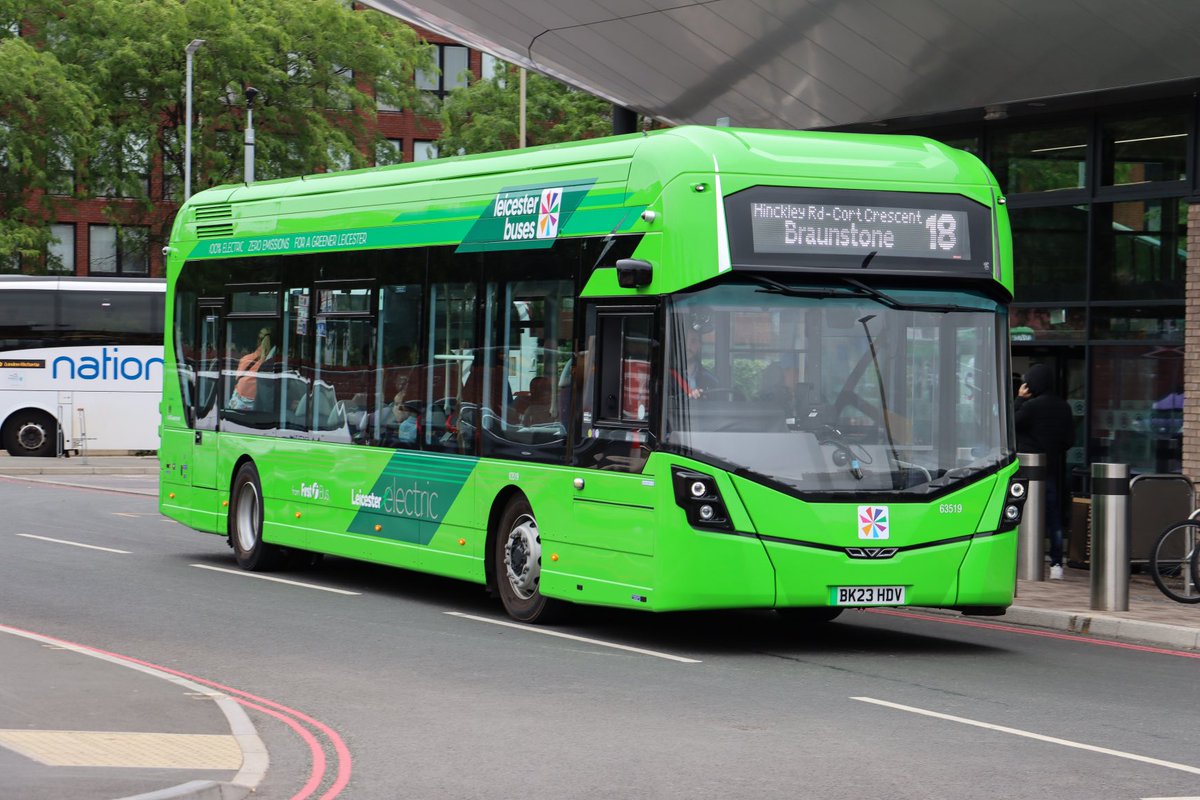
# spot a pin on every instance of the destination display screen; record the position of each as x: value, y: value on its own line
x: 832, y: 230
x: 839, y: 229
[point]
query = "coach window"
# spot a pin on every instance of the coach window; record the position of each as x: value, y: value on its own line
x: 453, y: 350
x: 400, y: 380
x: 296, y: 360
x: 343, y: 385
x: 529, y: 338
x: 99, y: 317
x: 26, y: 319
x: 250, y: 392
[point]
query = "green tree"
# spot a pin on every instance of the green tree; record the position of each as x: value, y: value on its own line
x: 484, y: 116
x: 314, y: 63
x: 43, y: 115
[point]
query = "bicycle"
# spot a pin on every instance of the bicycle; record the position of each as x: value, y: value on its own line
x: 1175, y: 560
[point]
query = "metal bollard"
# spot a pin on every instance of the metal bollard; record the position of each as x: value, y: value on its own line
x: 1031, y: 534
x: 1110, y: 537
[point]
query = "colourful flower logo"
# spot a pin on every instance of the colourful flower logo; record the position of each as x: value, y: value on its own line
x: 873, y: 522
x: 549, y: 211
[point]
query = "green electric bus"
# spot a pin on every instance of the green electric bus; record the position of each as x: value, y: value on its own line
x: 696, y: 368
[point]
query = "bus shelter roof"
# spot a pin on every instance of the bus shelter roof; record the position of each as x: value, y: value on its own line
x: 829, y: 63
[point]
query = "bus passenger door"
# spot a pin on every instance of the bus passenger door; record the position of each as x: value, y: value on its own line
x: 613, y: 500
x: 208, y: 373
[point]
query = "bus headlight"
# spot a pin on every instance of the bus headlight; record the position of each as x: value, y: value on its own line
x: 697, y: 494
x: 1014, y: 504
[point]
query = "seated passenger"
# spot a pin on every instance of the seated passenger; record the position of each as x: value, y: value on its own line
x: 398, y: 422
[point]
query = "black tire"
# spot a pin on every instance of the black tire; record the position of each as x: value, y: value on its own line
x: 1175, y: 561
x: 808, y: 617
x: 246, y: 524
x: 31, y: 433
x: 518, y: 564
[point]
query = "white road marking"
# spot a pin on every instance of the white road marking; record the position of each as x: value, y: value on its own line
x: 1030, y: 735
x: 75, y: 544
x: 244, y: 574
x: 560, y: 635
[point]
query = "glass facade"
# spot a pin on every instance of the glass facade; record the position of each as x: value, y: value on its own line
x: 1099, y: 207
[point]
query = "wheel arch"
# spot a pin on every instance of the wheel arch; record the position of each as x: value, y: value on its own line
x: 499, y: 503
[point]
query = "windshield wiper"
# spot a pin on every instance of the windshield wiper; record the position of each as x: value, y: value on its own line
x: 775, y: 287
x: 896, y: 305
x: 856, y: 289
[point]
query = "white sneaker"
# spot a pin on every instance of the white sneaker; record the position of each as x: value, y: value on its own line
x: 1056, y: 573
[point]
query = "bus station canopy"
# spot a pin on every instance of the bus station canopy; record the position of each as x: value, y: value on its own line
x: 828, y: 63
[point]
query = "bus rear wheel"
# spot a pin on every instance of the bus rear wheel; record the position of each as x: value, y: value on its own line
x: 518, y: 554
x: 30, y: 433
x: 246, y: 524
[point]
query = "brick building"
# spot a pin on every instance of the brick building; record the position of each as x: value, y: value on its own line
x: 88, y: 242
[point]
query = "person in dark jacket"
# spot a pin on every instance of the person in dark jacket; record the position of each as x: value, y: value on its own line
x: 1044, y: 425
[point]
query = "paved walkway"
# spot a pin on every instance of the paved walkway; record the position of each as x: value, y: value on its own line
x: 95, y: 727
x: 1066, y: 605
x: 78, y: 465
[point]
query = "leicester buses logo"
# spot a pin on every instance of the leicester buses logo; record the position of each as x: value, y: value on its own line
x: 873, y: 522
x: 549, y: 211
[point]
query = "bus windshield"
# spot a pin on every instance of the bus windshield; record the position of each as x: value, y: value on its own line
x: 841, y: 387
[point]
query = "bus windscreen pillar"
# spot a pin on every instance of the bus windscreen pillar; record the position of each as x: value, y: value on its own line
x: 1110, y: 537
x: 1031, y: 535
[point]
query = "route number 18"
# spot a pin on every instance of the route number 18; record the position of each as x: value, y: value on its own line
x: 942, y: 231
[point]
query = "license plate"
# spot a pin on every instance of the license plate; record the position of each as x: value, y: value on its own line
x: 868, y: 595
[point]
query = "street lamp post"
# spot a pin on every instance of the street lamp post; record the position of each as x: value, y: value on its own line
x: 191, y: 49
x: 248, y: 170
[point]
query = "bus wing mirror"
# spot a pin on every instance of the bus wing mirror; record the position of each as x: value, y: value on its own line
x: 634, y: 272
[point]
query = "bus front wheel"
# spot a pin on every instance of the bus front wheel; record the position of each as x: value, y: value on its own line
x: 246, y: 523
x: 519, y: 565
x: 30, y: 433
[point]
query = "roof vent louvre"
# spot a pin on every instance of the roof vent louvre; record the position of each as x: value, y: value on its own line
x: 213, y: 212
x: 218, y: 231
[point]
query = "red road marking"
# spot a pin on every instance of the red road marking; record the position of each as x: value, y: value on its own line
x: 319, y: 765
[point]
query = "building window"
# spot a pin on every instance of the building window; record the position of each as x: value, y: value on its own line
x: 424, y: 150
x: 172, y: 182
x: 389, y: 151
x: 1144, y: 150
x: 113, y: 251
x: 1141, y: 250
x: 60, y: 165
x: 493, y: 68
x: 1050, y: 252
x: 128, y: 160
x: 1137, y: 407
x: 60, y: 253
x: 451, y: 64
x: 337, y: 160
x: 383, y: 105
x: 1042, y: 160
